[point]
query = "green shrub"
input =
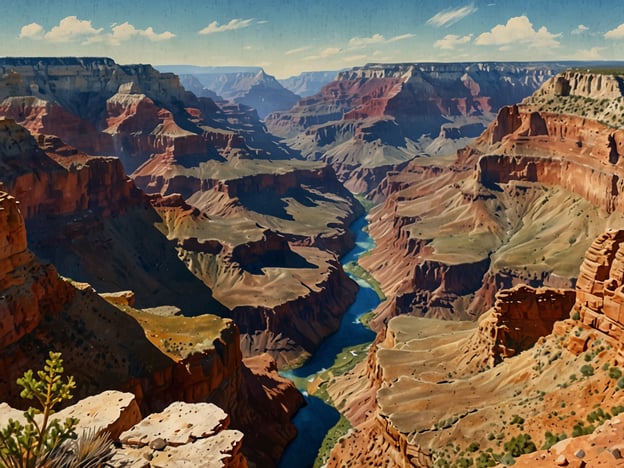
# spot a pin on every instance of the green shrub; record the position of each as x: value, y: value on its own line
x: 515, y: 419
x: 30, y: 445
x: 485, y: 460
x: 587, y: 370
x: 550, y: 439
x: 617, y: 410
x: 615, y: 373
x: 520, y: 445
x: 473, y: 447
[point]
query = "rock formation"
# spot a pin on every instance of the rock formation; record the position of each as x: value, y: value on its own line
x: 110, y: 345
x: 31, y: 291
x: 599, y: 290
x: 521, y: 206
x: 87, y: 217
x: 442, y: 387
x: 182, y: 434
x: 373, y: 119
x: 233, y: 176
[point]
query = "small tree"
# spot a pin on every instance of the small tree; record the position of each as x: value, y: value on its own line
x: 30, y: 445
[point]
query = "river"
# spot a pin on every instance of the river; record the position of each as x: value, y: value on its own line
x: 317, y: 418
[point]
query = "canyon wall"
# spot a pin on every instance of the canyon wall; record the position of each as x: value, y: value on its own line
x: 159, y: 358
x: 442, y: 385
x: 546, y: 171
x: 370, y: 120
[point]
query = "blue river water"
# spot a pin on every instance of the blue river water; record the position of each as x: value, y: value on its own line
x: 317, y: 417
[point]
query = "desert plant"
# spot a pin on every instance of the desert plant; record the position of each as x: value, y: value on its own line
x: 587, y: 370
x: 30, y: 445
x: 520, y: 445
x: 92, y: 448
x: 615, y: 373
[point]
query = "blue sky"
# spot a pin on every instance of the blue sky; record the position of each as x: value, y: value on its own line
x: 287, y: 37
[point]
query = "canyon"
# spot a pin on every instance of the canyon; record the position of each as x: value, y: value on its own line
x: 374, y: 119
x: 517, y: 240
x: 214, y: 201
x: 190, y: 252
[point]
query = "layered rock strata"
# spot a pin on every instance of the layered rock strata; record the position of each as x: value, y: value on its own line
x: 254, y: 204
x: 438, y: 385
x: 373, y: 119
x: 87, y: 217
x: 110, y: 345
x: 266, y: 241
x: 544, y: 177
x: 130, y: 111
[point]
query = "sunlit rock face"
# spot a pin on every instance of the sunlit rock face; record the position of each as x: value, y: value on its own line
x: 373, y: 119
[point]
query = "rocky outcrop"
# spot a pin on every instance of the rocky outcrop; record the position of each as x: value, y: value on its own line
x: 599, y: 289
x: 182, y: 434
x: 519, y: 318
x: 584, y: 83
x: 31, y: 290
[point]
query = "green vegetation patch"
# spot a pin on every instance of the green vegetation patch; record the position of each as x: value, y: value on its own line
x: 331, y: 438
x: 356, y: 269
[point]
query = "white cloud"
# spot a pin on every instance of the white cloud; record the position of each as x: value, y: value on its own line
x: 31, y: 31
x: 233, y: 24
x: 518, y: 31
x: 355, y: 58
x: 298, y: 50
x: 125, y: 31
x: 581, y: 28
x: 595, y: 53
x: 71, y: 28
x: 358, y: 42
x: 451, y: 16
x: 325, y: 53
x: 452, y: 41
x: 329, y: 51
x: 617, y: 33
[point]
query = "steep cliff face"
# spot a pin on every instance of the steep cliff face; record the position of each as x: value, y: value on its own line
x: 266, y: 241
x: 375, y: 117
x: 132, y: 111
x: 544, y: 177
x: 31, y: 290
x: 87, y: 217
x: 106, y: 345
x: 441, y: 387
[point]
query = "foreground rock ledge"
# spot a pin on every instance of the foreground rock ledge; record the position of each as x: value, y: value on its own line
x: 183, y: 435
